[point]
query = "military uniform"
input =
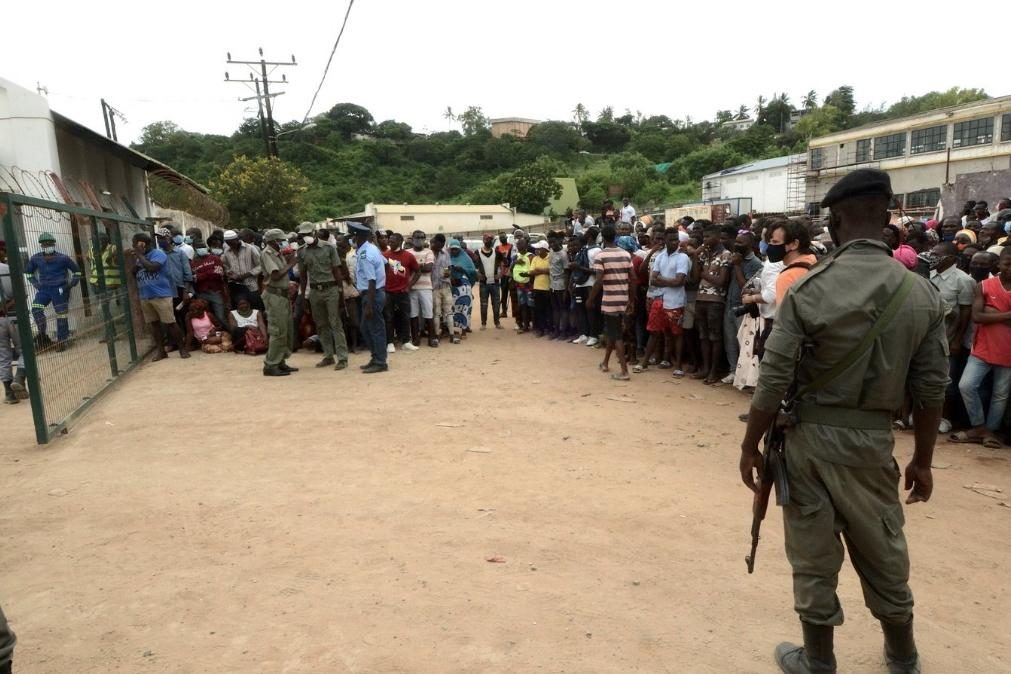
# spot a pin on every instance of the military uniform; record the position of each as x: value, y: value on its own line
x: 317, y: 264
x: 280, y: 328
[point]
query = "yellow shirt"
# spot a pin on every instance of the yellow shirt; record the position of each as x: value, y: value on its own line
x: 541, y: 281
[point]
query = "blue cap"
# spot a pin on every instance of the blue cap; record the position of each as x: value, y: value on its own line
x: 358, y: 227
x: 454, y: 243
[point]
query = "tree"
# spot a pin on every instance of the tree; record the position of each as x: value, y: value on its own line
x: 632, y: 171
x: 824, y: 120
x: 350, y: 119
x: 777, y: 113
x: 531, y: 188
x: 842, y: 98
x: 580, y: 114
x: 742, y: 113
x: 393, y: 130
x: 911, y: 105
x: 810, y: 100
x: 449, y: 117
x: 472, y: 120
x: 157, y: 133
x: 607, y: 136
x: 723, y: 116
x: 557, y: 138
x: 606, y: 114
x: 261, y: 193
x: 760, y: 106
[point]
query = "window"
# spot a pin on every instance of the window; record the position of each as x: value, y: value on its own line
x: 923, y: 198
x: 816, y: 158
x: 890, y: 146
x: 928, y: 140
x: 487, y: 217
x: 1005, y: 128
x: 406, y: 217
x: 863, y: 150
x: 973, y: 132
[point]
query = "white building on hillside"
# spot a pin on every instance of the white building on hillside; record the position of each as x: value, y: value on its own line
x: 771, y: 184
x: 445, y: 218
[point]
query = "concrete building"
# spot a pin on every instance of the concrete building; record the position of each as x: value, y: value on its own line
x: 449, y: 219
x: 922, y: 153
x: 739, y: 124
x: 768, y: 183
x: 514, y: 126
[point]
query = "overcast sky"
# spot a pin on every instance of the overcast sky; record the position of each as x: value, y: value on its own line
x: 410, y: 59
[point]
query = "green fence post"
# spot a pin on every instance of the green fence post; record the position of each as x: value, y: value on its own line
x: 124, y: 284
x: 14, y: 245
x: 110, y: 327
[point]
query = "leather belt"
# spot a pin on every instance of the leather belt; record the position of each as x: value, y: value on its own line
x: 322, y: 286
x: 282, y: 292
x: 846, y: 417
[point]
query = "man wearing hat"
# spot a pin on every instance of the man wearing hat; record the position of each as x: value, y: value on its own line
x: 52, y: 274
x: 370, y: 280
x: 320, y: 268
x: 242, y: 269
x: 842, y: 478
x: 280, y: 328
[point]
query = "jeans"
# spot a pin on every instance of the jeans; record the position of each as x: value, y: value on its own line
x: 397, y: 314
x: 374, y: 328
x: 972, y: 378
x: 493, y: 290
x: 731, y: 324
x: 560, y: 311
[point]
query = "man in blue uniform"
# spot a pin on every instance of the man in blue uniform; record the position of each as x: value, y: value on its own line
x: 52, y: 274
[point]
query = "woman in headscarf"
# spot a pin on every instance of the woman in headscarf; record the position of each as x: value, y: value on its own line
x: 892, y: 237
x: 462, y: 277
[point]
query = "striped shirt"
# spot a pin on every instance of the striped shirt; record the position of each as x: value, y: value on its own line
x: 612, y: 266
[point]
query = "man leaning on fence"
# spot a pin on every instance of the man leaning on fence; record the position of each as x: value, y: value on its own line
x: 156, y: 291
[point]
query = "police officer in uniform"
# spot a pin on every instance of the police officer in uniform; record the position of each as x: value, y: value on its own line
x: 280, y: 328
x: 322, y: 270
x: 843, y: 480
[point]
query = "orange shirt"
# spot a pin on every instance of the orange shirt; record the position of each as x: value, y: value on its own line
x: 788, y: 277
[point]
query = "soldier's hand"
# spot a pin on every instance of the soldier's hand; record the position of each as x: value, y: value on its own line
x: 751, y: 468
x: 919, y: 483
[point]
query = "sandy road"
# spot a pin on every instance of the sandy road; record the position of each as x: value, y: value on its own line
x: 203, y: 519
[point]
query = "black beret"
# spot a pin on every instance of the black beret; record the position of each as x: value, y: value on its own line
x: 859, y: 183
x: 356, y: 227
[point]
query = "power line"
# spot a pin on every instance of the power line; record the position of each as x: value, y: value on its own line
x: 329, y: 61
x: 263, y: 99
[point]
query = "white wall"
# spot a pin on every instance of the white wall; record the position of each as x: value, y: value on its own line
x: 449, y: 223
x: 766, y: 189
x: 27, y: 135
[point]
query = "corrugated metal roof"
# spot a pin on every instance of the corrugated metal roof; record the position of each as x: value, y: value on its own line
x: 506, y: 120
x: 439, y: 208
x: 761, y: 165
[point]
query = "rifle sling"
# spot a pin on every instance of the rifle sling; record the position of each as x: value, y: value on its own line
x: 864, y: 345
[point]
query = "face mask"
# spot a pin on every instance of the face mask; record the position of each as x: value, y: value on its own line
x: 742, y: 250
x: 308, y: 240
x: 217, y: 251
x: 202, y: 252
x: 776, y: 252
x: 763, y: 247
x: 187, y: 240
x: 48, y: 250
x: 947, y: 237
x: 177, y: 240
x: 979, y: 274
x: 1007, y: 227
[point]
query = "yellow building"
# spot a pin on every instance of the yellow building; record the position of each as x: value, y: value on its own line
x: 445, y: 218
x: 922, y: 153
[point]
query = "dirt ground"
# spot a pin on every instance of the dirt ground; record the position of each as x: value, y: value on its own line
x: 201, y: 518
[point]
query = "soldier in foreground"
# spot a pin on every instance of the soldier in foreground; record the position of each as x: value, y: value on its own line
x: 276, y: 266
x: 846, y: 369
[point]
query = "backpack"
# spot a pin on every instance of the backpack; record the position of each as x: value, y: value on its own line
x: 582, y: 260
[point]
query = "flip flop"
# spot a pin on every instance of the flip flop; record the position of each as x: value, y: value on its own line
x: 664, y: 364
x: 992, y: 443
x: 617, y: 376
x: 964, y: 438
x: 603, y: 368
x: 638, y: 369
x: 698, y: 375
x: 678, y: 374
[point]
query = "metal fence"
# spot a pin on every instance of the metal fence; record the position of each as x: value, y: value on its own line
x: 78, y: 332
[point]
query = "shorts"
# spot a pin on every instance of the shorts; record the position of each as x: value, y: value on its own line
x: 664, y: 321
x: 524, y: 296
x: 159, y: 309
x: 709, y: 320
x: 612, y: 327
x: 422, y: 304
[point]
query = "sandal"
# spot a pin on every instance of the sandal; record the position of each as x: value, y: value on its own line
x: 990, y: 442
x: 700, y: 375
x: 963, y: 438
x: 664, y: 365
x: 678, y: 374
x: 603, y: 368
x: 620, y: 376
x: 638, y: 369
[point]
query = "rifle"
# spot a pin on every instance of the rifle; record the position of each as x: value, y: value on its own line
x: 773, y: 473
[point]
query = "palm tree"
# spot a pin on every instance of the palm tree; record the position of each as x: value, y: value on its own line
x: 810, y: 101
x: 760, y: 107
x: 580, y: 113
x: 449, y: 116
x: 742, y: 112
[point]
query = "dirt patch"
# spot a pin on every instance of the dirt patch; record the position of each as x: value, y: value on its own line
x: 202, y: 518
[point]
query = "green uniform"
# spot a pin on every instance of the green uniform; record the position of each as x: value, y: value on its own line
x: 7, y: 641
x: 280, y: 327
x: 317, y: 264
x: 843, y: 479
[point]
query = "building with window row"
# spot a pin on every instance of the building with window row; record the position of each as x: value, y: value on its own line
x: 922, y: 153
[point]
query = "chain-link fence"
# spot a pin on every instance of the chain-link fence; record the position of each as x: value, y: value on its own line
x: 73, y: 302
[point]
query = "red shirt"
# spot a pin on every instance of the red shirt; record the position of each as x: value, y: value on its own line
x: 208, y: 274
x: 990, y: 344
x: 400, y: 267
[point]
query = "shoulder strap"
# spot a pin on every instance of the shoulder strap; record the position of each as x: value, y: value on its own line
x: 883, y: 321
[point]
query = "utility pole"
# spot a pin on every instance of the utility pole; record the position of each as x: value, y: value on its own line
x: 263, y: 97
x: 109, y: 115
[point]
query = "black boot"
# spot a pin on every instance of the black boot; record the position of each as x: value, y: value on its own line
x: 900, y: 649
x: 816, y: 656
x: 9, y: 396
x: 18, y: 385
x: 274, y: 371
x: 284, y: 367
x: 6, y: 668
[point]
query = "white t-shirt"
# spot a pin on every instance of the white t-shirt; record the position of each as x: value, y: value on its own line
x: 627, y: 213
x: 588, y: 221
x: 188, y: 249
x: 592, y: 278
x: 245, y: 321
x: 424, y: 256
